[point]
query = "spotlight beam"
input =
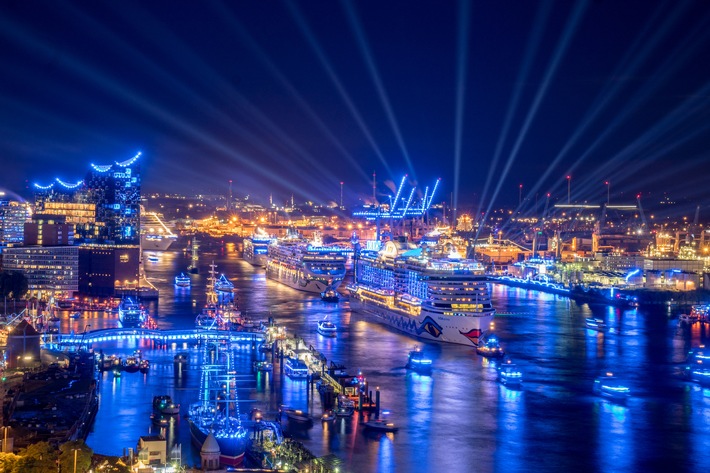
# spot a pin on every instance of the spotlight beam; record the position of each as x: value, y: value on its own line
x: 461, y: 62
x: 354, y: 22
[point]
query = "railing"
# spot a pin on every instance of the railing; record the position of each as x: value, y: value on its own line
x: 110, y: 334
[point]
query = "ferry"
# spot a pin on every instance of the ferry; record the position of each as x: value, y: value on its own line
x: 327, y: 328
x: 609, y: 386
x: 295, y: 368
x: 306, y: 266
x: 418, y: 361
x: 427, y: 292
x: 130, y: 313
x: 256, y: 247
x: 182, y: 280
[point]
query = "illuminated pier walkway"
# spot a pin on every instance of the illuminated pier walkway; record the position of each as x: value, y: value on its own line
x: 160, y: 336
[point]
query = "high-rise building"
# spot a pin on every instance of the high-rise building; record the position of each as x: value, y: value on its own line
x: 48, y: 230
x: 50, y: 270
x: 12, y: 222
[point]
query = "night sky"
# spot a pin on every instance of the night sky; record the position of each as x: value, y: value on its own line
x: 294, y: 97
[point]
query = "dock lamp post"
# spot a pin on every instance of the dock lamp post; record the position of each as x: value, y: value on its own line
x: 4, y: 438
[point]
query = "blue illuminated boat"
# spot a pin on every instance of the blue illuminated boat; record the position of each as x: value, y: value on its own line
x: 609, y: 386
x: 418, y: 361
x: 597, y: 324
x: 295, y: 368
x: 182, y: 280
x: 224, y: 285
x: 509, y: 374
x: 217, y: 410
x: 130, y: 313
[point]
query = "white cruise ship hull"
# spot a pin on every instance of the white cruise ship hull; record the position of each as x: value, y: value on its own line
x: 298, y: 281
x: 255, y: 260
x: 156, y: 243
x: 427, y: 325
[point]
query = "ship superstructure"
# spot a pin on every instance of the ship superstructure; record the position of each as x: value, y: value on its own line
x: 306, y: 265
x: 256, y: 247
x: 428, y: 292
x: 155, y: 234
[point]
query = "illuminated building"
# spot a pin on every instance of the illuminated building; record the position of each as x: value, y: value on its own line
x: 50, y: 270
x: 48, y: 230
x: 12, y: 222
x: 103, y: 268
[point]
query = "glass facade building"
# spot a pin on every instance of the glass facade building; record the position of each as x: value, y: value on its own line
x: 50, y: 270
x: 13, y: 216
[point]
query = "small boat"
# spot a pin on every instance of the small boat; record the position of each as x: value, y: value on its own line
x: 117, y: 372
x: 263, y: 366
x: 182, y: 280
x: 418, y: 361
x: 327, y: 328
x: 344, y: 411
x: 131, y: 364
x: 328, y: 416
x: 144, y: 366
x: 330, y: 295
x: 609, y: 386
x: 164, y: 405
x: 380, y: 425
x: 160, y: 420
x: 296, y: 415
x: 593, y: 323
x: 490, y: 347
x: 75, y: 315
x: 509, y: 374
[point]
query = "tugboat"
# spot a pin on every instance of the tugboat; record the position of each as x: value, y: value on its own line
x: 609, y: 386
x: 419, y: 362
x: 144, y: 366
x: 330, y: 295
x: 490, y: 347
x: 164, y: 405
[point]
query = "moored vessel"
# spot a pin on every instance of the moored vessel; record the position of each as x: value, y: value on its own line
x: 164, y: 405
x: 256, y: 247
x: 130, y: 313
x: 427, y: 292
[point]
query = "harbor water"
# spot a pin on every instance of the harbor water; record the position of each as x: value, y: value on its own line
x: 459, y: 418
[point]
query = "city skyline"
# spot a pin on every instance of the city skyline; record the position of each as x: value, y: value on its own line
x: 296, y: 98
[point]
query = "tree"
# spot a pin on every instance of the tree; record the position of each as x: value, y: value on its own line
x: 83, y: 456
x: 8, y: 461
x: 13, y: 284
x: 39, y: 457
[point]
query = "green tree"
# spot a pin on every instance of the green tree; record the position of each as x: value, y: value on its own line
x: 40, y: 457
x: 83, y: 456
x: 8, y: 461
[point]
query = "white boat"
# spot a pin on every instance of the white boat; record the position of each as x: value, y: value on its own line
x: 263, y: 366
x: 509, y: 374
x: 224, y: 285
x: 327, y: 328
x: 182, y: 280
x: 306, y: 266
x: 609, y: 386
x: 256, y: 247
x: 295, y: 368
x: 428, y: 293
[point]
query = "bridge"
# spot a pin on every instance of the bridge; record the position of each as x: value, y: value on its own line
x: 161, y: 336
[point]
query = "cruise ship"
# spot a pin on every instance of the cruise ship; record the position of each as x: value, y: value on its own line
x: 427, y: 292
x: 256, y: 247
x: 155, y: 235
x: 306, y: 266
